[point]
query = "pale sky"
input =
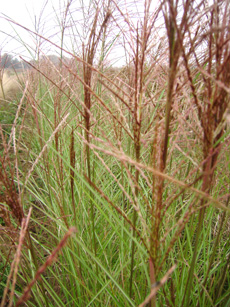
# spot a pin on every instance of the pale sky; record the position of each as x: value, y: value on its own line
x: 27, y: 13
x: 15, y: 40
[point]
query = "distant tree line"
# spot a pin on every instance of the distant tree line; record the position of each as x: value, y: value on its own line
x: 8, y: 61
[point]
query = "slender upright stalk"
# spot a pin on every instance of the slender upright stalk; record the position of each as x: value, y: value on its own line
x: 89, y: 52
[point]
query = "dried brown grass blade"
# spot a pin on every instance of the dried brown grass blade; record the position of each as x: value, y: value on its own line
x: 157, y: 286
x: 41, y: 270
x: 15, y: 263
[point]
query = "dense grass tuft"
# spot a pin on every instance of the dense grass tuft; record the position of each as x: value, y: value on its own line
x: 126, y: 168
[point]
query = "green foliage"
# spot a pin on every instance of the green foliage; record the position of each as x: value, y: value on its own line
x: 133, y: 158
x: 3, y: 278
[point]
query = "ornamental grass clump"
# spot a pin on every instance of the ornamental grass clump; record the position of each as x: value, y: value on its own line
x: 131, y: 159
